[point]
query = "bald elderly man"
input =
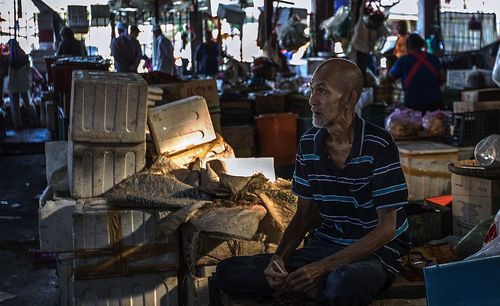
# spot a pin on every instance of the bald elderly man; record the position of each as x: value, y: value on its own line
x: 348, y: 177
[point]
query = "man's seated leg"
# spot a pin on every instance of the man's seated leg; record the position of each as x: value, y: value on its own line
x: 357, y: 283
x: 244, y: 277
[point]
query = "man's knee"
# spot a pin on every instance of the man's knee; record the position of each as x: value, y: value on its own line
x: 341, y: 288
x: 223, y: 273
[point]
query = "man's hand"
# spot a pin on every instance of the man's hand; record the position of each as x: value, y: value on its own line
x: 305, y: 278
x: 275, y: 278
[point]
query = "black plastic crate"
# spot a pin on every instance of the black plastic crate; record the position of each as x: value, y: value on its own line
x: 463, y: 129
x: 467, y: 129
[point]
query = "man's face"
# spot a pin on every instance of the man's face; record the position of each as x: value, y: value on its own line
x: 328, y: 102
x: 134, y: 34
x: 156, y: 34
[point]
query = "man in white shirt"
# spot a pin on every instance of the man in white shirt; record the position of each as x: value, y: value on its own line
x: 163, y: 52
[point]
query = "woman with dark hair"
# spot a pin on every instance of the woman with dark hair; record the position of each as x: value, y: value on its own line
x: 69, y: 45
x: 18, y: 84
x: 421, y: 74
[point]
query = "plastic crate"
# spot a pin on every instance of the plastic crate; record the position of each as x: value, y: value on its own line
x: 471, y: 282
x: 467, y: 129
x: 462, y: 129
x: 457, y: 79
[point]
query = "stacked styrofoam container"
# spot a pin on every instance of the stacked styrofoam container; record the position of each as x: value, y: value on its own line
x: 108, y: 255
x: 107, y: 131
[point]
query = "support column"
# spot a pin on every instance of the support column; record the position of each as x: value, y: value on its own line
x: 427, y: 9
x: 323, y: 10
x: 196, y: 26
x: 268, y: 12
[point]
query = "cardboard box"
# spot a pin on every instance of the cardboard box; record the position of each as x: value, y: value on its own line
x: 241, y: 139
x: 180, y: 125
x: 56, y: 165
x: 269, y: 103
x: 425, y: 166
x: 110, y: 241
x: 108, y: 107
x: 466, y: 107
x: 56, y: 225
x: 204, y: 88
x: 94, y: 169
x: 478, y: 95
x: 474, y: 199
x: 159, y: 288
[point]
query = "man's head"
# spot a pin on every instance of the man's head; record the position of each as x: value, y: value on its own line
x: 415, y: 42
x: 208, y: 36
x: 121, y: 27
x: 134, y: 31
x: 336, y: 86
x: 156, y: 30
x: 402, y: 27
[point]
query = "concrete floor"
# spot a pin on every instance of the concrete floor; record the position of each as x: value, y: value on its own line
x: 24, y: 272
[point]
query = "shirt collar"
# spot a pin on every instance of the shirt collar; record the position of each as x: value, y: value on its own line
x: 357, y: 146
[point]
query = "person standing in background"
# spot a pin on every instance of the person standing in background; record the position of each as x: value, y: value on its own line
x: 18, y: 84
x: 400, y: 47
x: 134, y: 33
x: 207, y: 56
x: 421, y: 74
x: 163, y: 52
x: 69, y: 45
x: 122, y: 49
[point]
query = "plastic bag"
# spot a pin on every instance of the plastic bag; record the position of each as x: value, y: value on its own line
x: 331, y: 25
x: 490, y: 249
x: 473, y: 241
x: 496, y: 69
x: 494, y: 230
x: 403, y: 122
x: 487, y: 151
x: 434, y: 123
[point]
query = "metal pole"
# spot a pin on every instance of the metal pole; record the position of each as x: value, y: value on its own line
x: 15, y: 20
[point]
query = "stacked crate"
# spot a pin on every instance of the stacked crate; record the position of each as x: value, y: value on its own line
x: 107, y: 254
x: 474, y: 117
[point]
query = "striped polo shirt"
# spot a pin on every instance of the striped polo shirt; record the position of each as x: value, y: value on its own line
x: 348, y: 198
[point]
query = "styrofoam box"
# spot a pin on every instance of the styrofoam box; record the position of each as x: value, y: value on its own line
x: 425, y: 166
x: 158, y: 288
x: 180, y: 125
x: 92, y: 231
x: 56, y: 225
x: 108, y: 107
x: 94, y: 169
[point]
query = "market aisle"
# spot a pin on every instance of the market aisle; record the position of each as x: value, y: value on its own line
x: 25, y: 273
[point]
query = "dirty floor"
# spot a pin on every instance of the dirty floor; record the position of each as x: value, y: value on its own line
x: 28, y: 275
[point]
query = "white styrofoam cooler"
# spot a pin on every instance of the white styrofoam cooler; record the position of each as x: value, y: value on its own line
x: 98, y: 228
x: 159, y: 288
x: 180, y: 125
x: 56, y: 225
x: 94, y: 169
x: 108, y: 107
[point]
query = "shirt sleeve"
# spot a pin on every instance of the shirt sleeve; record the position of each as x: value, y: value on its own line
x: 396, y: 69
x: 389, y: 184
x: 300, y: 184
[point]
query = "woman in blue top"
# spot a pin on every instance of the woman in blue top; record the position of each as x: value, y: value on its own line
x: 421, y: 74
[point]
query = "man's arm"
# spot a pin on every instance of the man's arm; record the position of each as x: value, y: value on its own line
x: 307, y: 276
x: 303, y: 221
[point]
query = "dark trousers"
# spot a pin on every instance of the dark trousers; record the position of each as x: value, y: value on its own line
x: 352, y: 284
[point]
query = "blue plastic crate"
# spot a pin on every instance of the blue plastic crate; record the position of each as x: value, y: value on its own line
x: 465, y: 283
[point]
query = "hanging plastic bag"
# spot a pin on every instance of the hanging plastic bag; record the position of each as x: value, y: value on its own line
x: 403, y: 122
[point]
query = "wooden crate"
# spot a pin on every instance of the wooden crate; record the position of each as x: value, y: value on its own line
x: 425, y: 166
